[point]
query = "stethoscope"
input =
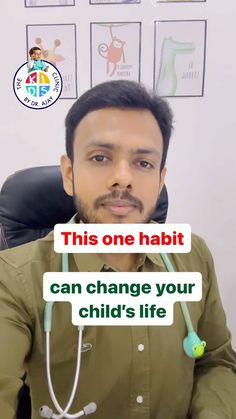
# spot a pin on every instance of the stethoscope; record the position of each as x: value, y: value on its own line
x: 193, y: 346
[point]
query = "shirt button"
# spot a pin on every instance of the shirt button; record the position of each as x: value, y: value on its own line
x: 140, y: 347
x: 139, y: 399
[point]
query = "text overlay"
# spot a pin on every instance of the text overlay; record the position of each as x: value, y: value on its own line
x: 122, y: 298
x: 122, y: 238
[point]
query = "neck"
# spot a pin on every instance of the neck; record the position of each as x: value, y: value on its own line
x: 124, y: 262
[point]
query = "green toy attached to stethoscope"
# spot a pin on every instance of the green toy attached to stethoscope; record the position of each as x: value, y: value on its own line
x: 193, y: 346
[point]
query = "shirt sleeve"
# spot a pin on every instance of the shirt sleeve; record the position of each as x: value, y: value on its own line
x: 44, y: 65
x: 214, y: 392
x: 15, y: 338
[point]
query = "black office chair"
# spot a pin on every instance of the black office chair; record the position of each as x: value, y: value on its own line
x: 32, y: 201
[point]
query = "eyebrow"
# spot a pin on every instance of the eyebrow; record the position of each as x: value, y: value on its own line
x: 109, y: 146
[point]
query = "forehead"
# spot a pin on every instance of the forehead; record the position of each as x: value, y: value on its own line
x: 123, y: 128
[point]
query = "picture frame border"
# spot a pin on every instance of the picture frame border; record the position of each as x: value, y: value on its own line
x: 204, y: 55
x: 91, y: 45
x: 52, y: 5
x: 181, y: 1
x: 108, y: 4
x: 75, y: 52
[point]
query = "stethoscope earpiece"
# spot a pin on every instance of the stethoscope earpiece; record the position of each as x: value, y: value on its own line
x: 193, y: 346
x: 45, y: 412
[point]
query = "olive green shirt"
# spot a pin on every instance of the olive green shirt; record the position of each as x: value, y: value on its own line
x: 129, y: 372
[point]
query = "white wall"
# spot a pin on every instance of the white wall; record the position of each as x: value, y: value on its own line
x: 201, y: 165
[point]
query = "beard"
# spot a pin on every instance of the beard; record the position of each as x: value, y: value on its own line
x: 89, y: 215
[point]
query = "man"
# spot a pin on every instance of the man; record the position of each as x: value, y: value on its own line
x: 35, y: 62
x: 117, y: 137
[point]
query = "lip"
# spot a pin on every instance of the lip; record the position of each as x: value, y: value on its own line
x: 119, y: 207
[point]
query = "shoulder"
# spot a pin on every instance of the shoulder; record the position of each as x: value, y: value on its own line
x: 38, y: 250
x: 199, y: 253
x: 199, y: 259
x: 199, y: 247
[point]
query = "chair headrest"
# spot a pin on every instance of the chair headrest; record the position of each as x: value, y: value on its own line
x: 33, y: 200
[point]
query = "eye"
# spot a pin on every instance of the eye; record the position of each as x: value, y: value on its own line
x: 145, y: 164
x: 99, y: 158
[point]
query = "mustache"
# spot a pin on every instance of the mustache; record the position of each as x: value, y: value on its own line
x: 115, y: 195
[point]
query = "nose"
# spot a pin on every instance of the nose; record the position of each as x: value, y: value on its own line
x: 121, y: 176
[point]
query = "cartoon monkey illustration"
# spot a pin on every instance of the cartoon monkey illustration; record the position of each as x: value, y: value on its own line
x: 113, y: 53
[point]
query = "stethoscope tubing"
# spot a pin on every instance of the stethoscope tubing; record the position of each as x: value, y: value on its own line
x: 190, y: 342
x: 64, y: 412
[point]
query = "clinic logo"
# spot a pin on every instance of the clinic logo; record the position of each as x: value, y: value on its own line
x: 37, y: 89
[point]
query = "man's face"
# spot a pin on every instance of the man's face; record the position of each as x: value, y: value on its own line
x: 115, y: 176
x: 36, y: 55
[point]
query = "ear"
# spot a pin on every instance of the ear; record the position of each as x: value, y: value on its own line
x: 67, y: 174
x: 162, y: 179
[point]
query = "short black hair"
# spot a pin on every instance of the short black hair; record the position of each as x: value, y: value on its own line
x: 31, y: 51
x: 121, y: 94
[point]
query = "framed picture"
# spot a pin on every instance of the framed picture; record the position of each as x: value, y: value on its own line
x: 177, y: 1
x: 114, y: 1
x: 179, y: 57
x: 58, y: 46
x: 115, y: 51
x: 48, y: 3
